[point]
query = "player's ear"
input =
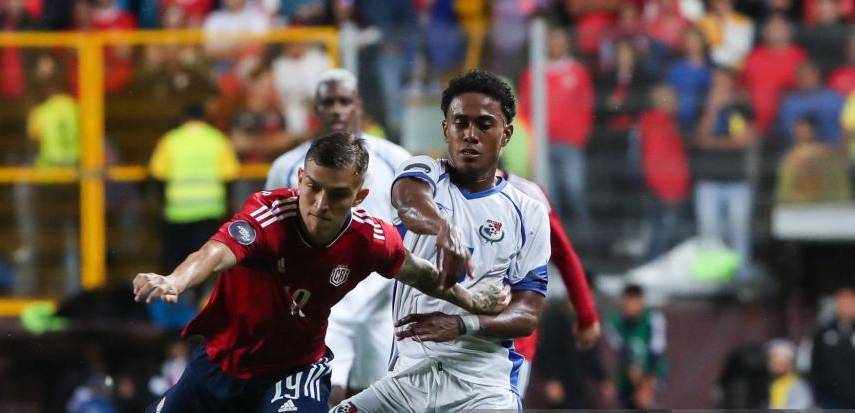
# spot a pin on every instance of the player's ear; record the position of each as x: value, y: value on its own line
x: 507, y: 132
x: 300, y: 174
x: 360, y: 196
x: 445, y: 130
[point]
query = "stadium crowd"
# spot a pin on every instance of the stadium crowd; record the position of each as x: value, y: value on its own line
x: 667, y: 119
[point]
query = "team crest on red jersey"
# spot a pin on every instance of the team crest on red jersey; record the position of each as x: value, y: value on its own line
x: 339, y: 275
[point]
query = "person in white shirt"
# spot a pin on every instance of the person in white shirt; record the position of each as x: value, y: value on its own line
x: 235, y: 18
x: 458, y: 212
x: 360, y: 326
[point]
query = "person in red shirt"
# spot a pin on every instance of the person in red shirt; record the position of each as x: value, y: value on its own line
x: 842, y: 79
x: 665, y: 169
x: 570, y: 99
x: 565, y: 259
x: 770, y: 70
x: 285, y: 259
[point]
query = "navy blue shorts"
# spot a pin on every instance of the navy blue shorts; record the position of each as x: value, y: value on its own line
x: 204, y: 387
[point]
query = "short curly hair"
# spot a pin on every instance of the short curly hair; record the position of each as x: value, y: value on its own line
x: 481, y: 81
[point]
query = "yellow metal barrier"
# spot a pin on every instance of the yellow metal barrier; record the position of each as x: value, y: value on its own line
x: 93, y: 172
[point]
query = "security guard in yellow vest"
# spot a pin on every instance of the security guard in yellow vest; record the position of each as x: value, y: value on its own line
x: 195, y: 161
x: 55, y: 125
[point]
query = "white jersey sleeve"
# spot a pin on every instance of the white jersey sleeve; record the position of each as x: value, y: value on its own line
x: 423, y: 168
x: 530, y: 273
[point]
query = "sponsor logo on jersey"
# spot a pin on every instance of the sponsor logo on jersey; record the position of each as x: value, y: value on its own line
x: 288, y: 406
x: 339, y: 275
x: 242, y: 232
x: 492, y: 231
x: 419, y: 167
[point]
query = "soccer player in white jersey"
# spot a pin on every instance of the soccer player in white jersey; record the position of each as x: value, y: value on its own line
x: 360, y: 331
x: 458, y: 212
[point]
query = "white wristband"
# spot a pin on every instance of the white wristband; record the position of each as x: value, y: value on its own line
x: 472, y: 324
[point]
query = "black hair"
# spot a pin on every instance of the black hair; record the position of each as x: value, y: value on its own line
x: 194, y: 111
x: 633, y: 290
x: 809, y: 120
x: 481, y: 81
x: 339, y: 150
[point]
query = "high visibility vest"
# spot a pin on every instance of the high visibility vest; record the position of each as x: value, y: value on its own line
x: 195, y: 161
x: 55, y: 124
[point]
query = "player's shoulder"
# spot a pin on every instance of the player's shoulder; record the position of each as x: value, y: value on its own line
x: 275, y: 197
x: 370, y: 228
x: 528, y: 206
x: 386, y: 149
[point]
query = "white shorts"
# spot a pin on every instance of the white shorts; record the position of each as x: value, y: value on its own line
x: 425, y: 388
x: 361, y: 351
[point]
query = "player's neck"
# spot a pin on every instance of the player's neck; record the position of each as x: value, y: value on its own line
x: 322, y: 240
x: 474, y: 182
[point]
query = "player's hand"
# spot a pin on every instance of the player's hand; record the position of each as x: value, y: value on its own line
x: 435, y: 326
x: 490, y: 298
x: 149, y: 287
x: 452, y: 256
x: 588, y: 336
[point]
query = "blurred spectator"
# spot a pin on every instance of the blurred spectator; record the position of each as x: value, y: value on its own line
x: 811, y: 10
x: 730, y: 34
x: 771, y: 70
x: 174, y: 70
x: 178, y: 353
x: 444, y: 39
x: 812, y: 171
x: 194, y: 12
x: 665, y: 169
x: 194, y: 161
x: 259, y: 132
x: 744, y: 380
x: 825, y: 40
x: 847, y: 121
x: 842, y: 79
x: 295, y: 74
x: 573, y: 377
x: 509, y: 25
x: 622, y: 90
x: 304, y: 12
x: 593, y: 19
x: 118, y: 60
x: 690, y: 77
x: 812, y: 99
x: 384, y: 64
x: 725, y: 137
x: 13, y: 17
x: 637, y: 335
x: 234, y: 60
x: 628, y: 27
x: 667, y: 25
x: 787, y: 390
x: 833, y: 355
x: 570, y: 101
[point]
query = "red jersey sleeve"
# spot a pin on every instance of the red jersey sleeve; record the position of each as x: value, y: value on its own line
x: 564, y: 257
x: 388, y: 251
x: 257, y: 228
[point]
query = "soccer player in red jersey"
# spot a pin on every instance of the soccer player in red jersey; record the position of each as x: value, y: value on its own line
x: 284, y: 260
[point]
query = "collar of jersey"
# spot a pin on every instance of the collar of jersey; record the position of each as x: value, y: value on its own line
x: 340, y: 233
x: 487, y: 192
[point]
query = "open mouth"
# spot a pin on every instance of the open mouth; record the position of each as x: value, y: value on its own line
x: 469, y: 153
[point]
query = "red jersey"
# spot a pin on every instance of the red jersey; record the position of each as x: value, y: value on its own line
x: 268, y: 314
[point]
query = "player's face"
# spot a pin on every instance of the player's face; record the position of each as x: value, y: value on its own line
x: 338, y: 107
x: 475, y: 131
x: 326, y: 196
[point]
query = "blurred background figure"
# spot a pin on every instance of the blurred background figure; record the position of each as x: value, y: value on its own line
x: 833, y: 354
x: 194, y: 162
x: 296, y: 72
x: 811, y: 98
x: 787, y: 390
x: 637, y: 335
x: 728, y: 32
x: 812, y: 171
x: 723, y: 192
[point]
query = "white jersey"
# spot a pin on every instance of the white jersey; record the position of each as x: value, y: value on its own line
x: 372, y: 294
x: 507, y: 233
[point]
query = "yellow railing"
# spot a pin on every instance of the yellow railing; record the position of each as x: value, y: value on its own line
x: 93, y: 171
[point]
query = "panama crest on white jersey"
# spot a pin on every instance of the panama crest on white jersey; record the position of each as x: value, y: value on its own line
x: 507, y: 233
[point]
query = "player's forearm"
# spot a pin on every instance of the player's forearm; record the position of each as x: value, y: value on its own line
x: 572, y: 273
x: 413, y: 200
x: 519, y: 319
x: 212, y: 258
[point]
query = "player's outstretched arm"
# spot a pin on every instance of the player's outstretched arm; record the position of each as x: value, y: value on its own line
x: 422, y: 275
x: 418, y: 212
x: 212, y: 258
